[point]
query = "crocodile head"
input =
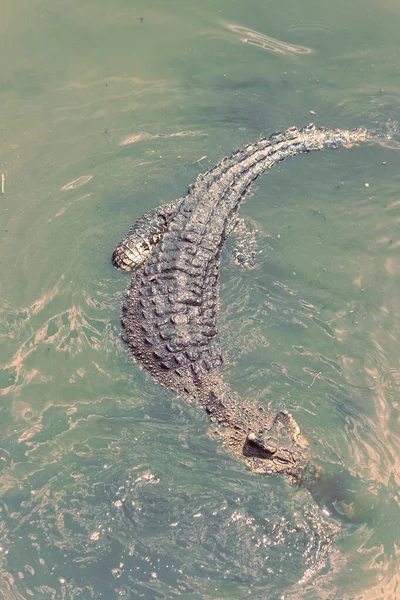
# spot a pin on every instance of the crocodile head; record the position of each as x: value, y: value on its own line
x: 278, y: 450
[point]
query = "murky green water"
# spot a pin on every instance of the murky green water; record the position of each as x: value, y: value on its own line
x: 110, y: 486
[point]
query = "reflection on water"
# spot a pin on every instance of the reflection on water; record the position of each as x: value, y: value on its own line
x: 145, y: 135
x: 76, y: 183
x: 109, y: 486
x: 255, y: 38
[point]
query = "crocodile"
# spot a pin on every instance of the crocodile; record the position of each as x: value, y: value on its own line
x: 170, y: 310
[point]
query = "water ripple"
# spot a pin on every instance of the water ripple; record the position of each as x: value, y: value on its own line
x: 96, y: 519
x: 265, y: 42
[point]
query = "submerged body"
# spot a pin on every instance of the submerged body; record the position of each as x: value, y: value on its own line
x: 169, y: 315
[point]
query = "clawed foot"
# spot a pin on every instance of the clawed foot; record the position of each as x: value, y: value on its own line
x: 245, y: 249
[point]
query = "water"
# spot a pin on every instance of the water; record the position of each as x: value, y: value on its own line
x: 110, y: 486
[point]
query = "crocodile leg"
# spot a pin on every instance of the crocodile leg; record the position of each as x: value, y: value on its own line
x: 145, y: 233
x: 245, y: 248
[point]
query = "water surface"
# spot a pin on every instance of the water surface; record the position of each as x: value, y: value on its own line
x: 110, y: 486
